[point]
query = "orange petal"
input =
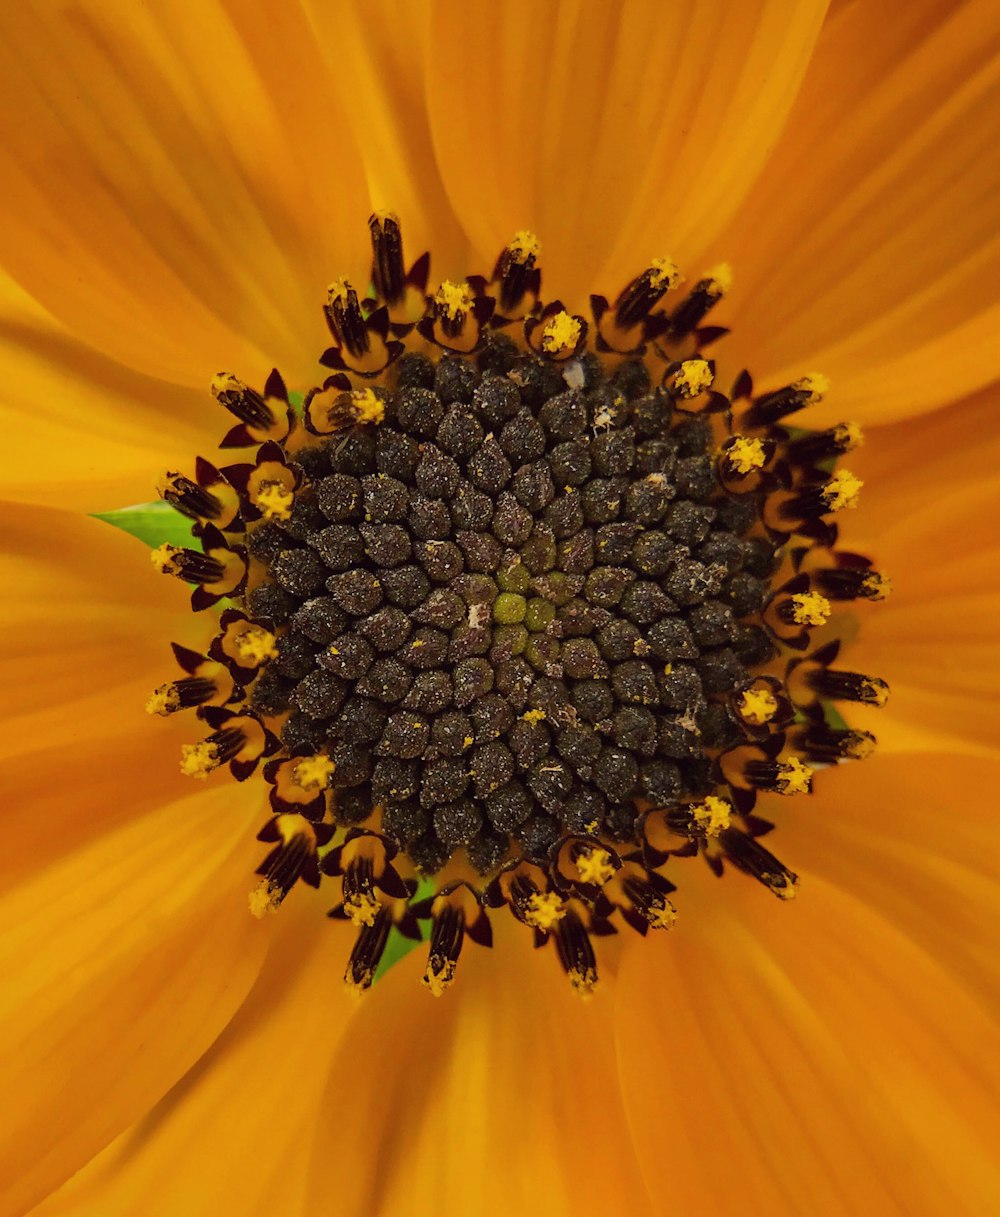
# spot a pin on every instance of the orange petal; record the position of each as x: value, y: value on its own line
x: 927, y: 517
x: 868, y: 249
x: 616, y: 133
x: 776, y: 1055
x: 177, y: 193
x: 915, y: 838
x: 122, y: 962
x: 95, y: 434
x: 241, y: 1120
x: 504, y: 1088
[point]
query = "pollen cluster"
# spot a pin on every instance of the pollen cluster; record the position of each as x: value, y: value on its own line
x: 517, y: 605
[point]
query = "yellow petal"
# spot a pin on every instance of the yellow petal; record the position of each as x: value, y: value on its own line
x: 176, y: 192
x: 505, y: 1087
x: 915, y: 838
x: 812, y: 1048
x: 932, y: 486
x: 869, y: 246
x: 122, y: 963
x: 241, y: 1120
x: 616, y: 133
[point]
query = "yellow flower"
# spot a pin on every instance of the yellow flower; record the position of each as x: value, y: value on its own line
x: 179, y: 186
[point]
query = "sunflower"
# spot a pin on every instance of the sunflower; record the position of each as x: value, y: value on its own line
x: 180, y: 184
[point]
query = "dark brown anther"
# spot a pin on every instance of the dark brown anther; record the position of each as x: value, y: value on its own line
x: 447, y: 936
x: 292, y: 859
x: 245, y: 403
x: 388, y: 272
x: 644, y: 293
x: 705, y: 294
x: 815, y: 499
x: 517, y: 275
x: 827, y: 745
x: 838, y: 685
x: 809, y: 450
x: 576, y: 953
x: 369, y: 947
x: 189, y: 498
x: 649, y: 900
x: 851, y: 583
x: 771, y: 408
x: 188, y: 564
x: 750, y: 856
x: 345, y: 319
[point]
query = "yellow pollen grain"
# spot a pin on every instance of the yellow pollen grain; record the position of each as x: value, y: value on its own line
x: 359, y: 986
x: 664, y: 274
x: 745, y: 454
x: 595, y: 867
x: 859, y: 747
x: 164, y: 558
x: 562, y: 333
x: 361, y: 908
x: 368, y: 407
x: 757, y: 706
x: 719, y: 279
x: 454, y: 298
x: 544, y: 910
x: 842, y: 490
x: 533, y: 716
x: 664, y: 918
x: 256, y: 644
x: 693, y: 377
x: 226, y: 382
x: 875, y: 692
x: 163, y: 701
x: 198, y: 760
x: 794, y: 777
x: 338, y: 291
x: 275, y: 501
x: 440, y: 978
x: 814, y: 385
x: 849, y: 436
x: 713, y: 815
x: 584, y: 981
x: 524, y: 245
x: 313, y: 772
x: 265, y: 898
x: 810, y: 608
x: 876, y: 586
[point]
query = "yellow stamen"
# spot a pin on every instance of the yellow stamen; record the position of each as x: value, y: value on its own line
x: 849, y: 436
x: 256, y: 644
x: 338, y: 291
x: 757, y: 706
x: 275, y: 501
x: 583, y: 981
x: 794, y: 777
x: 439, y: 979
x: 533, y: 716
x: 720, y: 279
x: 164, y: 558
x: 544, y: 910
x: 562, y: 333
x: 163, y: 701
x: 313, y: 772
x: 664, y: 274
x: 368, y: 407
x: 595, y: 867
x: 713, y: 815
x: 664, y: 918
x: 815, y: 385
x: 810, y: 608
x: 198, y: 760
x: 265, y: 898
x: 454, y: 298
x: 745, y: 454
x: 524, y: 245
x: 226, y: 382
x: 842, y: 490
x: 361, y: 908
x: 693, y: 377
x: 876, y: 586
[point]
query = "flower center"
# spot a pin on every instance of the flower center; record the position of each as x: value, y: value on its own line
x: 514, y: 620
